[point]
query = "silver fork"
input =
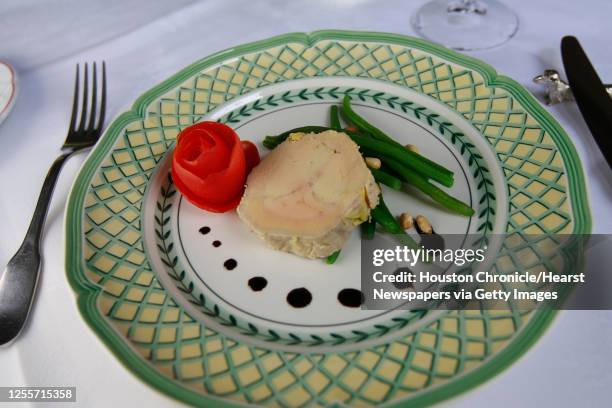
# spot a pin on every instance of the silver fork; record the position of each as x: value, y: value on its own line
x: 18, y: 283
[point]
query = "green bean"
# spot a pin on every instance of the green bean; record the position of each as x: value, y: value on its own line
x: 431, y: 190
x: 333, y: 257
x: 384, y: 150
x: 387, y: 179
x: 363, y: 124
x: 383, y: 216
x: 334, y: 119
x: 390, y: 171
x: 368, y: 229
x: 272, y: 141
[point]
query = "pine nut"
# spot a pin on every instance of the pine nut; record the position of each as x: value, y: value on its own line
x: 373, y: 162
x: 406, y: 221
x: 423, y: 225
x: 412, y: 148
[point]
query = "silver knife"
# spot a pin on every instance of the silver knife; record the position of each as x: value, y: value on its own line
x: 590, y: 93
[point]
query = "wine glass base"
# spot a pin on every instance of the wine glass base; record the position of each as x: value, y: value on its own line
x: 466, y: 25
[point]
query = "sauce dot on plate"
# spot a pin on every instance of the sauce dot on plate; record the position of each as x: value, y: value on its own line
x: 204, y: 230
x: 350, y: 297
x: 258, y: 283
x: 216, y: 243
x: 230, y: 264
x: 299, y: 297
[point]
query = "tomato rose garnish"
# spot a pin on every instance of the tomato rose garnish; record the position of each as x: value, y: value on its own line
x: 251, y: 155
x: 210, y: 165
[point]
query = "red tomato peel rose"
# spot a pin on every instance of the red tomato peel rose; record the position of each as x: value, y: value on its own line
x: 251, y: 155
x: 210, y: 165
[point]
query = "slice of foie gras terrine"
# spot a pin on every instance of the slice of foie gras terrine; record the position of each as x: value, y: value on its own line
x: 309, y: 193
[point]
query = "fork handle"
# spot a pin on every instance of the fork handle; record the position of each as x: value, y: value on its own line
x: 18, y: 282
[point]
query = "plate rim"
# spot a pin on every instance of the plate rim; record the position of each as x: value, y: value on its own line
x: 86, y: 292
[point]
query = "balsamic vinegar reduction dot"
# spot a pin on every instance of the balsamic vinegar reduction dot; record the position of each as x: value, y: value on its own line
x: 258, y: 283
x: 350, y: 297
x: 216, y: 243
x: 299, y: 297
x: 230, y: 264
x: 204, y: 230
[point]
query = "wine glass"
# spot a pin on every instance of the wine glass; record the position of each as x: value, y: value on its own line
x: 466, y: 24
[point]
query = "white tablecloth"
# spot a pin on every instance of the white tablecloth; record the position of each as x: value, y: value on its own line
x: 144, y: 42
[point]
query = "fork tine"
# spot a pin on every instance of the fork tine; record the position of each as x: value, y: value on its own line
x: 88, y: 129
x: 103, y: 99
x: 75, y: 101
x: 92, y: 112
x: 84, y: 106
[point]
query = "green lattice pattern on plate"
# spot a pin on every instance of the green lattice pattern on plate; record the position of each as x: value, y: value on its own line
x: 127, y: 304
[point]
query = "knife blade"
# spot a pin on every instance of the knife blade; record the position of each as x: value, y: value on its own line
x: 590, y: 93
